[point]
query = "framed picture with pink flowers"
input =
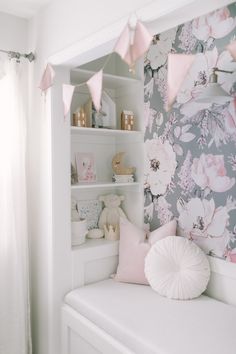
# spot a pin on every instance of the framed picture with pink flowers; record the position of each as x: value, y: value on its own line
x: 86, y: 169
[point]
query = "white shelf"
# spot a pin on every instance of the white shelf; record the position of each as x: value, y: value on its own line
x: 109, y: 81
x: 102, y: 131
x: 103, y: 185
x: 91, y: 243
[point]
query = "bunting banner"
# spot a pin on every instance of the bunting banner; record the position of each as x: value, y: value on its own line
x: 67, y: 93
x: 232, y: 49
x: 47, y: 79
x: 133, y: 43
x: 178, y: 67
x: 95, y: 88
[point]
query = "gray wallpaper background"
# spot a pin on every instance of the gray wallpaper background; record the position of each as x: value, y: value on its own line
x: 190, y: 152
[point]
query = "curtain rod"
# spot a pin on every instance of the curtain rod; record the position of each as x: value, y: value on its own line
x: 17, y: 55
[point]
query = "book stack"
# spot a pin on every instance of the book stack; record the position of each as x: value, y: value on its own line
x: 123, y: 178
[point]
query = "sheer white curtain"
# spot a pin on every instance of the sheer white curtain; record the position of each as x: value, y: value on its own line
x: 14, y: 269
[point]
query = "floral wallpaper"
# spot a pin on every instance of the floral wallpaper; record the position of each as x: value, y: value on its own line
x: 190, y: 152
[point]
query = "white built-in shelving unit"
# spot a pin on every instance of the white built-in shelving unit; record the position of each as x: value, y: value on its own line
x: 126, y: 90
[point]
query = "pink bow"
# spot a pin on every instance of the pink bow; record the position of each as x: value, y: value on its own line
x: 47, y: 78
x: 178, y: 67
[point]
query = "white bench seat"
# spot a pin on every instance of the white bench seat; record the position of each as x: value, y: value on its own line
x: 146, y: 323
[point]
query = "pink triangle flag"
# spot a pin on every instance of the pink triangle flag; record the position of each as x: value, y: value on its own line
x: 122, y: 46
x: 47, y: 78
x: 67, y: 93
x: 232, y: 49
x: 129, y: 51
x: 178, y: 67
x: 95, y: 88
x: 142, y: 41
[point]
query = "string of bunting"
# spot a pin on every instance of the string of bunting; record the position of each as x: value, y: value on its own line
x: 132, y: 44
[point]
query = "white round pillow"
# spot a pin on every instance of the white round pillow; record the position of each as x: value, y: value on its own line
x: 177, y: 268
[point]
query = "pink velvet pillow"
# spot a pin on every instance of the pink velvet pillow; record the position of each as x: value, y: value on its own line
x: 134, y: 247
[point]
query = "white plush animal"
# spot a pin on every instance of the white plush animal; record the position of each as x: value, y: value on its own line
x: 112, y: 212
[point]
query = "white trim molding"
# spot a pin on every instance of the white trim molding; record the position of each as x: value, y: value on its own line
x: 158, y: 15
x: 222, y: 285
x: 223, y: 267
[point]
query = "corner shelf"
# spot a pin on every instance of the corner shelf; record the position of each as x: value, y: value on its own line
x: 104, y: 185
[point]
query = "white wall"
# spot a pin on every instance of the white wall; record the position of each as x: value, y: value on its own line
x: 80, y: 26
x: 13, y: 33
x: 14, y: 37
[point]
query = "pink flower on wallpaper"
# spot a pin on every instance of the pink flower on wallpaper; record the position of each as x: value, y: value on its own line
x: 187, y: 39
x: 232, y: 49
x: 186, y: 182
x: 160, y: 165
x: 163, y: 210
x: 209, y: 171
x: 230, y: 117
x: 148, y: 88
x: 194, y: 83
x: 157, y: 54
x: 161, y: 82
x: 148, y: 212
x: 231, y: 255
x: 206, y: 225
x: 151, y: 116
x: 217, y: 24
x: 232, y: 161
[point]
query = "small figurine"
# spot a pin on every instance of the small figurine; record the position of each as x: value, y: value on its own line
x: 111, y: 232
x: 117, y: 165
x: 112, y: 212
x: 74, y: 210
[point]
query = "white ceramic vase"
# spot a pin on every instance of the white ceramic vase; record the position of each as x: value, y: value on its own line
x: 78, y: 232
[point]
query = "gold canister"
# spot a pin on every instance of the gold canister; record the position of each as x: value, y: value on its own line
x: 79, y: 119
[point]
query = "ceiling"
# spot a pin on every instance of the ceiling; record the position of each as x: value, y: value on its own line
x: 22, y: 8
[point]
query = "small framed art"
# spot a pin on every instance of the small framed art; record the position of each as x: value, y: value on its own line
x: 86, y: 169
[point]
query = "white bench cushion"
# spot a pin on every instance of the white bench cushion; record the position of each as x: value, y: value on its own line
x: 147, y: 323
